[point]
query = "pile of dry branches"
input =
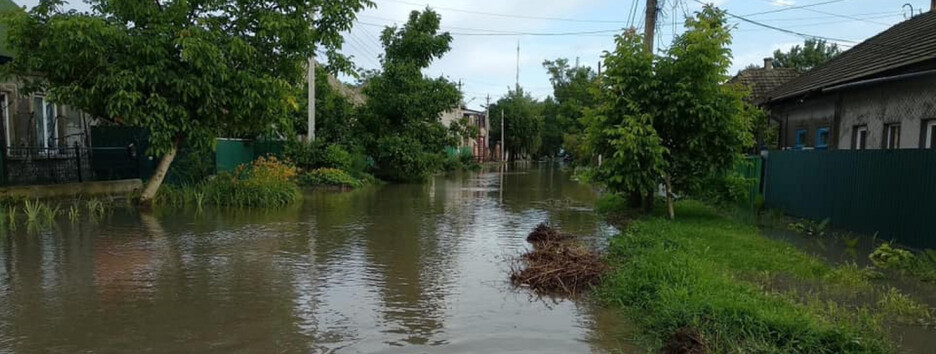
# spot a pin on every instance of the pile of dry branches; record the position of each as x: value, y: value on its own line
x: 557, y: 265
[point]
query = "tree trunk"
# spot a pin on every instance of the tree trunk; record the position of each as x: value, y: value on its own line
x: 669, y: 198
x: 648, y: 201
x: 635, y: 200
x: 152, y: 186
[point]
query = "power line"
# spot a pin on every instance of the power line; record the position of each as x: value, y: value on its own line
x: 365, y: 49
x: 866, y: 14
x: 563, y: 19
x: 846, y: 16
x: 788, y: 8
x: 784, y: 30
x: 507, y: 33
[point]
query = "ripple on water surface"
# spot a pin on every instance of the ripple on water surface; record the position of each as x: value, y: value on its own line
x: 392, y: 269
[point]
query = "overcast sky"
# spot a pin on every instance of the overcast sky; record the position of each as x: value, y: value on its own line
x: 484, y: 52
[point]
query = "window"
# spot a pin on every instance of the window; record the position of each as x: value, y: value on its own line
x: 822, y: 138
x: 929, y: 134
x: 861, y: 137
x: 45, y: 113
x: 800, y: 139
x: 892, y: 136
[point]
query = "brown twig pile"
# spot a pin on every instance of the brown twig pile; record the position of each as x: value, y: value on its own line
x: 543, y: 233
x: 557, y: 265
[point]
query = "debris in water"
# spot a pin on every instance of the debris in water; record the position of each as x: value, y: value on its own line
x: 544, y: 233
x: 557, y: 265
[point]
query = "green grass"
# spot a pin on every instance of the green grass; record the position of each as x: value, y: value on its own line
x: 331, y: 177
x: 692, y: 272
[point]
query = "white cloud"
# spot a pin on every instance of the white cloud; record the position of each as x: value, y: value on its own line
x: 783, y: 3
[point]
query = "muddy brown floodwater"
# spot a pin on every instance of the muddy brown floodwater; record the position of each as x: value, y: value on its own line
x: 391, y: 269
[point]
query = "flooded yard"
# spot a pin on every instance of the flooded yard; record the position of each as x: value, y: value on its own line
x: 390, y: 269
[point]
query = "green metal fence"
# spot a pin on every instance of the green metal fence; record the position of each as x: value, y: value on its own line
x: 891, y: 192
x: 751, y: 168
x: 231, y: 153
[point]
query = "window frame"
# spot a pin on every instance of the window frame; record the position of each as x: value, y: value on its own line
x: 859, y: 142
x: 929, y: 134
x: 40, y: 112
x: 799, y: 138
x: 819, y: 133
x: 888, y: 134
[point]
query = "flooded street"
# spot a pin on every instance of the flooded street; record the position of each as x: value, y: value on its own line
x: 390, y: 269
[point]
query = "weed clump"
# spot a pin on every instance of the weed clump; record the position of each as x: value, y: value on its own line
x: 557, y: 265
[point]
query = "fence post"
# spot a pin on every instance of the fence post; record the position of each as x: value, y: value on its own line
x: 78, y: 160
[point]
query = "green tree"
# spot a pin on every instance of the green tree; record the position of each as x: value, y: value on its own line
x: 572, y: 93
x: 400, y: 122
x: 552, y: 133
x: 335, y: 113
x: 188, y: 71
x: 523, y: 122
x: 621, y: 129
x: 812, y: 53
x: 669, y: 119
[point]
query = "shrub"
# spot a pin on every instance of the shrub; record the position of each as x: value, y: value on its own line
x: 191, y: 166
x: 265, y: 182
x: 460, y: 161
x: 611, y: 203
x: 323, y: 155
x: 729, y: 189
x: 329, y: 177
x: 403, y: 159
x: 886, y: 257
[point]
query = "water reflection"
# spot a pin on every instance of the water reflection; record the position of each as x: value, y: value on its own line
x: 398, y: 268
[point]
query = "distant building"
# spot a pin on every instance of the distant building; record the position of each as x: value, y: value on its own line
x: 479, y: 119
x: 763, y: 80
x: 880, y: 94
x: 760, y: 81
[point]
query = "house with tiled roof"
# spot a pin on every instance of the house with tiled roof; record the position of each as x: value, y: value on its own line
x: 760, y: 81
x: 880, y: 94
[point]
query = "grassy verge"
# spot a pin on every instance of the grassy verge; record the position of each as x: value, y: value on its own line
x: 719, y: 278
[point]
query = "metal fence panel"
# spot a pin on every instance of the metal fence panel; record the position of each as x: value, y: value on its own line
x: 232, y: 153
x: 39, y: 166
x: 890, y: 192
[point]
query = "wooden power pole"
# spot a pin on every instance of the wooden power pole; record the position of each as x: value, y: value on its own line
x: 310, y: 124
x: 650, y: 25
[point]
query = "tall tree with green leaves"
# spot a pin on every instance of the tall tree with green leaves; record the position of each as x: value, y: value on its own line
x: 703, y: 124
x: 669, y: 120
x: 523, y: 122
x: 188, y: 71
x: 572, y: 94
x: 401, y: 119
x: 812, y: 53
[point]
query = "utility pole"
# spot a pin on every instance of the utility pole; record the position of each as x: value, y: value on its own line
x: 518, y: 67
x: 503, y: 143
x: 487, y: 127
x: 310, y: 136
x: 650, y: 25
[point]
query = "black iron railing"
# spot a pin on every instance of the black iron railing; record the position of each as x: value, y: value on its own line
x: 66, y: 164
